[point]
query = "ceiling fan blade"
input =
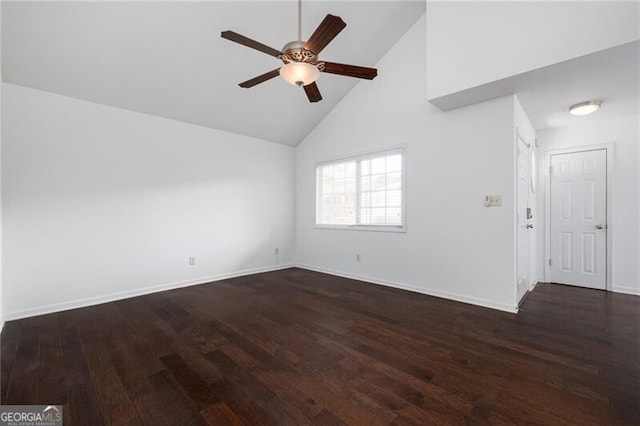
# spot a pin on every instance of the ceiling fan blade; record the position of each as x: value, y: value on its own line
x: 260, y: 79
x: 245, y: 41
x: 313, y: 93
x: 329, y: 28
x: 350, y: 70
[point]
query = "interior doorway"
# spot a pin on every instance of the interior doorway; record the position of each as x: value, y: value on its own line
x: 578, y: 218
x: 524, y: 216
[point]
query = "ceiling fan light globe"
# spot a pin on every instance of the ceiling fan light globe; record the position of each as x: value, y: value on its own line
x: 299, y: 73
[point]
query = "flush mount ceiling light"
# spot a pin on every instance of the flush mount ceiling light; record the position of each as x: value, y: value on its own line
x: 584, y: 108
x: 301, y: 63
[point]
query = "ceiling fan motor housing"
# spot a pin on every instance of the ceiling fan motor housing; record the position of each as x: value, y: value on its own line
x: 294, y: 51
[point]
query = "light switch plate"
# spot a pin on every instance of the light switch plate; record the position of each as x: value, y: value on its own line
x: 493, y: 201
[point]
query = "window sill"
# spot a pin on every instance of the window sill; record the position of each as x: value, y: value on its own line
x: 373, y: 228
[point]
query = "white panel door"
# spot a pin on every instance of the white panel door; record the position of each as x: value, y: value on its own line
x: 579, y: 218
x: 523, y: 225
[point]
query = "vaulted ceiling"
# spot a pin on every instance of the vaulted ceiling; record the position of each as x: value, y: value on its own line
x: 167, y: 58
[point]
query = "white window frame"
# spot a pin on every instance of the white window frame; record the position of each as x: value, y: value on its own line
x: 358, y: 158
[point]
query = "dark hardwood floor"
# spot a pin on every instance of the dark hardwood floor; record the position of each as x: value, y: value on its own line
x: 299, y: 347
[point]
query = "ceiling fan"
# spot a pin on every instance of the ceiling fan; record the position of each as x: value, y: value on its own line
x: 302, y: 66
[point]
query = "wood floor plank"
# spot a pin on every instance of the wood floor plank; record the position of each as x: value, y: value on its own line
x: 190, y: 383
x: 177, y: 409
x: 221, y: 414
x: 327, y: 418
x: 295, y: 347
x: 51, y: 378
x: 24, y: 377
x: 82, y: 400
x: 112, y: 395
x: 285, y: 413
x: 8, y: 354
x: 150, y: 411
x: 278, y: 382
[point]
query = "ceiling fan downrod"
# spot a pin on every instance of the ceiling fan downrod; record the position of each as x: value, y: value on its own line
x: 299, y: 19
x: 295, y: 51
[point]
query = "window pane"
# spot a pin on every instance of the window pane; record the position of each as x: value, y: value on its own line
x: 350, y: 170
x: 327, y: 173
x: 345, y: 186
x: 365, y: 183
x: 378, y: 216
x: 365, y: 167
x: 337, y: 200
x: 378, y: 165
x: 378, y: 199
x: 327, y: 187
x: 394, y: 163
x: 350, y: 185
x: 365, y: 199
x: 394, y: 198
x: 394, y: 216
x: 365, y: 216
x: 394, y: 180
x: 378, y: 182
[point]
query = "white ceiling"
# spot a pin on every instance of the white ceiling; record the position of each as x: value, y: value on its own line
x: 611, y: 76
x: 167, y: 58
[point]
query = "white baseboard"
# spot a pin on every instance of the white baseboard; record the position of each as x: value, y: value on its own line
x: 626, y: 290
x: 427, y: 291
x: 81, y: 303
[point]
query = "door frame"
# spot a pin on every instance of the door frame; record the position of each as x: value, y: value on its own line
x: 609, y: 149
x: 531, y: 146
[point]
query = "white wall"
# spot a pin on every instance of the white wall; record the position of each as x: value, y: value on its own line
x: 453, y: 247
x: 103, y: 203
x: 624, y: 225
x: 473, y: 43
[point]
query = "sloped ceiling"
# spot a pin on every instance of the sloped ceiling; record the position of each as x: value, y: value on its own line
x: 611, y: 76
x: 167, y: 58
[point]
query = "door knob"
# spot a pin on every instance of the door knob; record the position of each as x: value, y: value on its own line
x: 600, y: 226
x: 529, y: 226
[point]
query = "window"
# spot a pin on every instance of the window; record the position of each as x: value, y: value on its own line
x: 365, y: 192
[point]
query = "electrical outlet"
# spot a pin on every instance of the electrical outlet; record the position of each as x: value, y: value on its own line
x: 358, y: 257
x: 277, y: 251
x: 192, y: 260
